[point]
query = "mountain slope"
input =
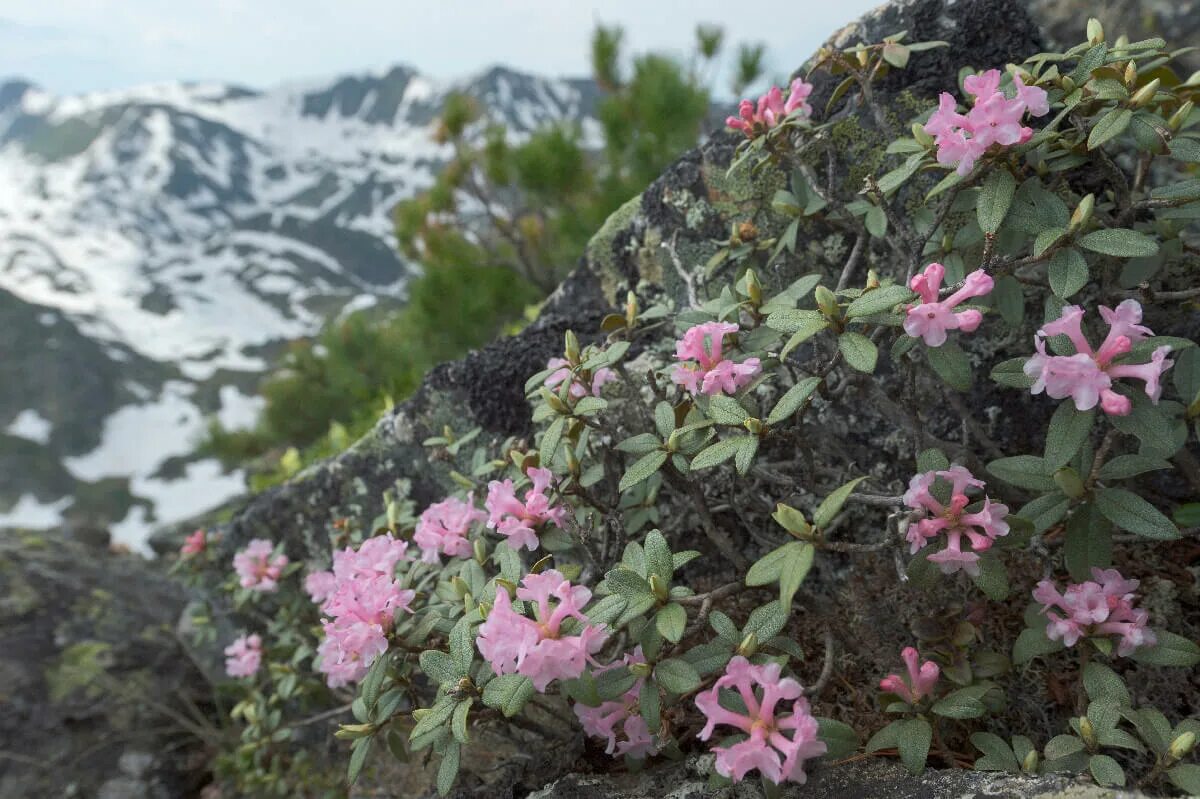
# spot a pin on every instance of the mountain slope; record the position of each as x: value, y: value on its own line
x: 159, y: 245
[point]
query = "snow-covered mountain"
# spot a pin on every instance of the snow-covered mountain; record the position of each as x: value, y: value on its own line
x: 158, y: 247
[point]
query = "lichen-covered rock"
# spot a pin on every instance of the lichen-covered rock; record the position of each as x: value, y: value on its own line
x: 94, y: 689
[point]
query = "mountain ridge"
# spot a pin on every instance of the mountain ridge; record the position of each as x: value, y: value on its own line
x: 160, y: 244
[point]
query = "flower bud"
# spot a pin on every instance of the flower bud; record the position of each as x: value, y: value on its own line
x: 864, y: 58
x: 571, y: 347
x: 827, y: 302
x: 753, y: 288
x: 553, y: 400
x: 1087, y: 732
x: 748, y: 646
x: 460, y: 586
x: 1183, y: 744
x: 1083, y: 212
x: 923, y: 138
x: 1179, y: 117
x: 640, y: 669
x: 541, y: 565
x: 660, y: 588
x: 872, y: 279
x: 1095, y: 31
x: 480, y: 552
x: 1130, y: 74
x: 631, y: 309
x: 572, y: 462
x: 1068, y: 481
x: 1067, y: 84
x: 485, y: 608
x: 754, y: 426
x: 1030, y: 764
x: 1143, y: 96
x: 747, y: 231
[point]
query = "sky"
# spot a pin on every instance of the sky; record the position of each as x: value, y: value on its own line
x: 70, y: 46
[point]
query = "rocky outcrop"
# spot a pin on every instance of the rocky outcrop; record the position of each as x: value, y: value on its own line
x: 97, y: 698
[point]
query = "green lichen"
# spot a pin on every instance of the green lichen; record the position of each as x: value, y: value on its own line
x: 17, y: 594
x: 600, y: 247
x: 79, y: 668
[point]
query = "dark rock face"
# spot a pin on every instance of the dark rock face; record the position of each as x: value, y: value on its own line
x: 1177, y: 21
x: 94, y: 689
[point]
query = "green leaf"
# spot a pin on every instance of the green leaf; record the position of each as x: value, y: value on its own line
x: 747, y: 447
x: 1109, y: 126
x: 716, y: 453
x: 462, y: 645
x: 1180, y: 190
x: 1011, y: 373
x: 1130, y: 512
x: 1008, y: 298
x: 1068, y: 272
x: 625, y: 582
x: 960, y: 704
x: 878, y: 301
x: 791, y: 320
x: 950, y: 363
x: 1170, y: 650
x: 551, y: 439
x: 995, y: 198
x: 1125, y: 466
x: 458, y: 722
x: 1102, y: 683
x: 1061, y: 746
x: 671, y: 621
x: 642, y: 468
x: 677, y: 676
x: 650, y: 704
x: 640, y: 444
x: 508, y: 693
x: 858, y: 350
x: 1185, y: 150
x: 1023, y: 471
x: 832, y: 504
x: 791, y: 401
x: 794, y: 571
x: 1069, y: 429
x: 1045, y: 511
x: 358, y: 758
x: 1186, y: 777
x: 912, y: 739
x: 726, y: 410
x: 992, y: 578
x: 448, y: 769
x: 1031, y: 643
x: 373, y: 682
x: 767, y: 620
x: 887, y: 738
x: 896, y: 54
x: 439, y: 666
x: 1120, y: 242
x: 1106, y: 770
x: 664, y: 419
x: 876, y: 221
x: 767, y: 569
x: 1088, y: 543
x: 932, y: 460
x: 997, y: 754
x: 438, y: 715
x: 840, y: 739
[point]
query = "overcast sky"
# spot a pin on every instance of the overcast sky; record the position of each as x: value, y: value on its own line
x: 81, y: 45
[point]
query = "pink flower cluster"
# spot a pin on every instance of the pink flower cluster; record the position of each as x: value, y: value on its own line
x: 1099, y: 608
x: 516, y: 520
x: 443, y: 527
x: 920, y: 681
x: 981, y: 528
x: 993, y: 119
x: 602, y: 721
x: 763, y: 723
x: 578, y: 388
x: 194, y: 544
x: 706, y: 370
x: 513, y: 643
x: 258, y: 567
x: 362, y: 596
x: 933, y: 317
x: 243, y: 656
x: 1087, y: 376
x: 772, y: 108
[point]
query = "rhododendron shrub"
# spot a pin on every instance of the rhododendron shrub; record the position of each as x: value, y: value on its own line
x: 816, y: 482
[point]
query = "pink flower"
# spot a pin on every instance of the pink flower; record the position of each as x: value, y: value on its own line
x: 623, y: 716
x: 258, y: 567
x: 919, y: 682
x: 772, y: 108
x: 1087, y: 376
x: 516, y: 644
x: 763, y: 723
x: 362, y: 595
x: 994, y: 119
x: 243, y: 656
x: 705, y: 369
x: 580, y: 387
x: 194, y: 544
x: 933, y: 317
x: 516, y: 520
x: 443, y: 527
x: 1099, y: 607
x: 980, y: 529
